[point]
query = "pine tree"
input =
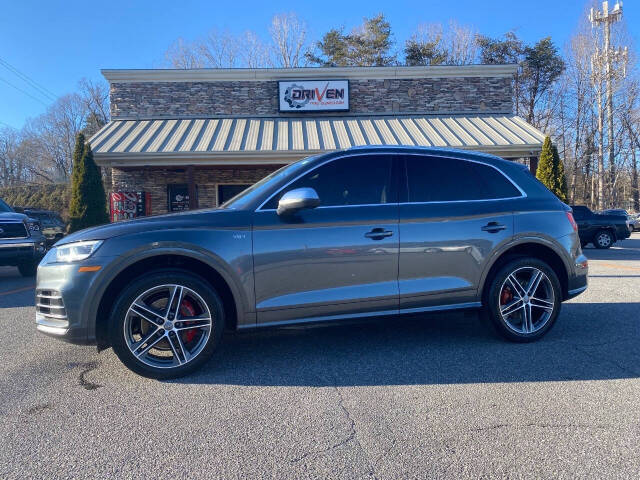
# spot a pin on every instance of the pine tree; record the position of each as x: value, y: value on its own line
x: 551, y: 170
x: 545, y: 165
x: 88, y: 203
x: 561, y: 190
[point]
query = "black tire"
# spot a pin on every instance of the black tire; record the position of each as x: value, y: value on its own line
x: 28, y: 269
x: 603, y: 239
x: 140, y: 286
x: 492, y: 301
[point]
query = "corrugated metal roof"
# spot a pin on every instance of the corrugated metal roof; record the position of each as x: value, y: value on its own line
x: 209, y: 137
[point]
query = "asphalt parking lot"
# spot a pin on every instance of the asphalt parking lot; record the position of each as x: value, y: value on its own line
x: 439, y: 396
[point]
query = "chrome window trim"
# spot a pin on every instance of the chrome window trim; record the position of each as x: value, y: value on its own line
x: 522, y: 192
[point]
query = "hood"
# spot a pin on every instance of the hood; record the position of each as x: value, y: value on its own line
x: 13, y: 216
x: 190, y: 219
x: 613, y: 218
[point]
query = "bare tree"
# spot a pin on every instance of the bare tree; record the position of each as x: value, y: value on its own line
x: 288, y: 40
x: 433, y: 44
x: 219, y: 50
x: 95, y: 96
x: 460, y: 43
x: 253, y: 52
x: 181, y: 54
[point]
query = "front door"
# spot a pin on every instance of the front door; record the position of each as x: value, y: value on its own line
x: 453, y: 215
x: 339, y: 259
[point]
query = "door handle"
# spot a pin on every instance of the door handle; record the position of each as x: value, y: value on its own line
x: 378, y: 234
x: 493, y: 227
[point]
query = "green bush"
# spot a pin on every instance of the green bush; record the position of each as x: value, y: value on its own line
x: 46, y: 197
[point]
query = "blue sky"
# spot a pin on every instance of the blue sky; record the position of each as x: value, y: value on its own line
x: 56, y: 43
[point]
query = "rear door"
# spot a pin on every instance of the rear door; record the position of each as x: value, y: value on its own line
x: 453, y: 214
x: 338, y: 259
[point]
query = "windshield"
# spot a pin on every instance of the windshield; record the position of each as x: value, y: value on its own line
x: 254, y: 191
x: 4, y: 207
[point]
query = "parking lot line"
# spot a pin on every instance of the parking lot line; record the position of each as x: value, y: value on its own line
x: 18, y: 290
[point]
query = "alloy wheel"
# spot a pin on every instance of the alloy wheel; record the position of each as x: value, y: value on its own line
x: 526, y: 300
x: 604, y: 239
x: 167, y: 326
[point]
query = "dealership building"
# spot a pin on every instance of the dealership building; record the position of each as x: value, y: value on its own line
x: 181, y: 139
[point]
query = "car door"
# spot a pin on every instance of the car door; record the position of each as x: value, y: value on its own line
x: 453, y: 214
x: 338, y: 259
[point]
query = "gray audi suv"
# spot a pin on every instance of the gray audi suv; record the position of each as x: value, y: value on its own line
x: 360, y: 233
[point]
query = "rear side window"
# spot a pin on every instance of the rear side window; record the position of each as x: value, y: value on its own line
x: 357, y: 180
x: 434, y: 179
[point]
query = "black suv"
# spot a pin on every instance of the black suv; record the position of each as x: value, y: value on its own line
x: 603, y: 230
x: 22, y: 244
x: 53, y: 227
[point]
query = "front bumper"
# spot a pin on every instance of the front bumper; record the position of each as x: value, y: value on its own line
x: 15, y: 252
x: 64, y: 298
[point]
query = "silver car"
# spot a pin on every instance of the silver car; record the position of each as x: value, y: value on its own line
x: 359, y: 233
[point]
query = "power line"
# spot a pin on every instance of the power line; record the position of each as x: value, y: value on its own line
x: 23, y: 91
x: 44, y: 91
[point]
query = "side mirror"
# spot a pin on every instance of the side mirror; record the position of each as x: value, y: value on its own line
x: 298, y: 199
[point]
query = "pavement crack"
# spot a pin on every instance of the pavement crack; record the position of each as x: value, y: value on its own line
x: 351, y: 436
x: 84, y: 383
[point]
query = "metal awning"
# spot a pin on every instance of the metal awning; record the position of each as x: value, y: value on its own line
x: 269, y: 140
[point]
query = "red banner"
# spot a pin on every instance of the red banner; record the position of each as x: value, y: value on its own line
x: 128, y: 205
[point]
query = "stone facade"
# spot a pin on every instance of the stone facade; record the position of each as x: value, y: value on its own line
x: 376, y: 96
x: 155, y: 181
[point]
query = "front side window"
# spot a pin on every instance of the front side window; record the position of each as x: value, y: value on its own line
x: 357, y: 180
x: 435, y: 179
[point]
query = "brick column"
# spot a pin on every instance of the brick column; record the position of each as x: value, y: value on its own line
x: 533, y: 165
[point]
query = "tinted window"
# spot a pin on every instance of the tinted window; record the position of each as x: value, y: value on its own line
x: 357, y: 180
x: 434, y: 179
x: 580, y: 212
x: 227, y: 192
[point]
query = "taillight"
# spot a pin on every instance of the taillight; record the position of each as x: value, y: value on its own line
x: 572, y: 221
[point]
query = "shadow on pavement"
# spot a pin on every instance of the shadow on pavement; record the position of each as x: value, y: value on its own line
x: 589, y: 342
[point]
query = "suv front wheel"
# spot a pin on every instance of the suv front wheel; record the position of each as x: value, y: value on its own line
x: 166, y: 324
x: 524, y: 299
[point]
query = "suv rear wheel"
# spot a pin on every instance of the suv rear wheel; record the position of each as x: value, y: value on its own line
x: 524, y: 299
x: 603, y: 239
x: 166, y: 324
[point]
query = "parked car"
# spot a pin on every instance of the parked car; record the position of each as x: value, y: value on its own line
x: 616, y: 211
x: 358, y: 233
x: 22, y: 244
x: 634, y: 222
x: 53, y: 227
x: 603, y: 230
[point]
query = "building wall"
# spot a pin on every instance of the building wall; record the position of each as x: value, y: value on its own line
x: 419, y: 95
x: 155, y: 182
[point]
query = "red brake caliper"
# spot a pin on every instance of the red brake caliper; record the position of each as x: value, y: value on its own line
x: 506, y: 296
x: 187, y: 310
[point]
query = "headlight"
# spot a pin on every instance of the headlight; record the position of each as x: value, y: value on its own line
x: 33, y: 226
x: 71, y: 252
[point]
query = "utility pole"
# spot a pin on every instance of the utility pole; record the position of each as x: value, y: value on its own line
x: 603, y: 59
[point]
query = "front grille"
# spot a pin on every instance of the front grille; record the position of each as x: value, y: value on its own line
x: 49, y: 304
x: 13, y: 230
